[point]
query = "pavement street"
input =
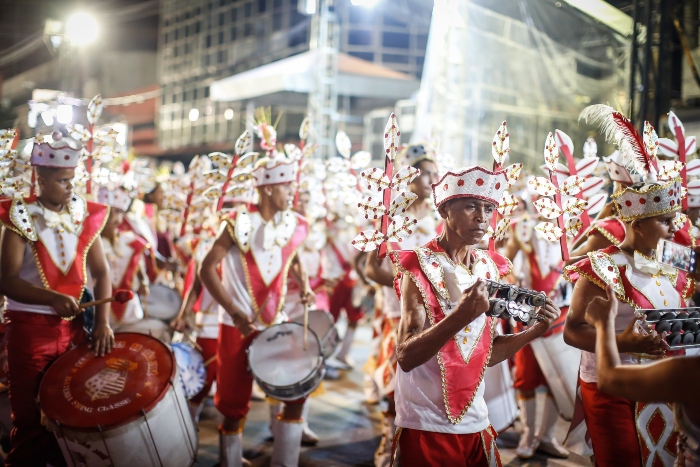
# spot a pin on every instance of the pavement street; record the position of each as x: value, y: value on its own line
x: 349, y: 429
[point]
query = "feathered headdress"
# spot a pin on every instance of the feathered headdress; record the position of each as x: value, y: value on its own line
x: 637, y: 151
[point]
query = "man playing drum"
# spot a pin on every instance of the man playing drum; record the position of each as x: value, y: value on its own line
x: 50, y: 242
x: 621, y: 430
x: 381, y: 271
x: 257, y: 246
x: 445, y: 340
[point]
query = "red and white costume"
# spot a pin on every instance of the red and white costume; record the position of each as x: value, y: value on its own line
x: 622, y: 430
x: 55, y: 258
x: 440, y: 406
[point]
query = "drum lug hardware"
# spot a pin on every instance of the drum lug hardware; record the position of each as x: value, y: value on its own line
x: 153, y: 441
x: 104, y: 442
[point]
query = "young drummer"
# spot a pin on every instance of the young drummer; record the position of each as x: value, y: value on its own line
x: 257, y: 245
x: 49, y: 243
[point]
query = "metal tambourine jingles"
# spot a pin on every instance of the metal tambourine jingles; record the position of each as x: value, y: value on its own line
x: 509, y: 301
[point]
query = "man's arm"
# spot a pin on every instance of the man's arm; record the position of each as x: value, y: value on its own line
x: 417, y: 345
x: 211, y: 280
x: 302, y: 279
x: 505, y: 347
x: 656, y: 382
x: 512, y: 246
x: 180, y: 322
x: 102, y: 335
x: 12, y: 254
x: 580, y: 334
x: 374, y: 270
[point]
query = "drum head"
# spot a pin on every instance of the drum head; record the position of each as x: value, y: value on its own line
x: 190, y: 365
x: 81, y: 391
x: 163, y: 302
x: 278, y: 358
x: 320, y: 322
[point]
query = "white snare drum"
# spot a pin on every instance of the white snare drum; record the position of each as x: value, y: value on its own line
x: 162, y: 302
x: 500, y: 396
x: 151, y: 327
x: 559, y: 363
x: 125, y: 409
x: 321, y: 323
x: 190, y: 366
x: 281, y: 366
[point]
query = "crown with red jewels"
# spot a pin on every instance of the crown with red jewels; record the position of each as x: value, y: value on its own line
x: 274, y: 170
x: 649, y: 200
x: 116, y: 198
x: 617, y: 171
x: 59, y: 152
x: 474, y: 182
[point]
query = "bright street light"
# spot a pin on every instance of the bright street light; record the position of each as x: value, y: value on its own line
x: 194, y: 115
x: 228, y: 114
x: 81, y: 28
x: 47, y: 117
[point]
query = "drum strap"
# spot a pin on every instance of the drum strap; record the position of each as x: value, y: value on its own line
x: 658, y: 439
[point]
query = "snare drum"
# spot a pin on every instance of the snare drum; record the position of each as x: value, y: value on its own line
x: 162, y: 303
x: 151, y: 327
x: 190, y: 366
x: 321, y: 323
x: 281, y: 366
x: 124, y: 409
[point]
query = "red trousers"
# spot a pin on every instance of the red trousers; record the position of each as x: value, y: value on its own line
x: 234, y: 381
x: 33, y: 341
x: 208, y: 350
x: 528, y: 375
x: 611, y: 426
x: 341, y: 298
x: 428, y: 449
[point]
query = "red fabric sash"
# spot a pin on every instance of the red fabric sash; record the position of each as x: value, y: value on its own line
x: 74, y: 281
x: 272, y: 295
x: 460, y: 380
x: 138, y: 245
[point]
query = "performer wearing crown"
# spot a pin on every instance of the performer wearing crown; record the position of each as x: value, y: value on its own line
x: 625, y: 432
x: 50, y: 242
x: 445, y: 340
x: 257, y: 245
x: 381, y: 272
x: 124, y: 251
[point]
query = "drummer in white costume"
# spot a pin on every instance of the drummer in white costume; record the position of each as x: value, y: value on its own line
x: 124, y: 252
x: 258, y: 245
x: 382, y: 272
x: 440, y: 403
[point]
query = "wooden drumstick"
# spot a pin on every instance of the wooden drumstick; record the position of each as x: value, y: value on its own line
x: 193, y: 341
x: 260, y: 309
x: 122, y: 296
x: 306, y: 323
x: 209, y: 361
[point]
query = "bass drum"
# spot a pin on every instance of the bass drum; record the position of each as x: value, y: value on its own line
x: 559, y: 363
x: 283, y: 369
x: 151, y: 327
x: 126, y: 409
x: 162, y: 303
x: 500, y: 396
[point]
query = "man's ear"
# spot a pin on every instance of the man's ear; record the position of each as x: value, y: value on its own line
x: 442, y: 210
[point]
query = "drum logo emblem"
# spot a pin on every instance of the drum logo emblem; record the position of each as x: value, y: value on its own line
x: 109, y: 381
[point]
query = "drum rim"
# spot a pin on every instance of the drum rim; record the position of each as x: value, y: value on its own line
x: 323, y: 338
x: 127, y: 420
x: 306, y: 377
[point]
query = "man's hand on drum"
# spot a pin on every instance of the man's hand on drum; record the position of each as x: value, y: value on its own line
x: 144, y: 290
x: 474, y: 302
x: 183, y: 323
x: 308, y: 297
x: 66, y: 306
x: 102, y: 339
x: 243, y: 323
x: 547, y: 315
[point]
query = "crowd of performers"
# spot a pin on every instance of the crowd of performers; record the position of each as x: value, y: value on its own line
x: 482, y: 286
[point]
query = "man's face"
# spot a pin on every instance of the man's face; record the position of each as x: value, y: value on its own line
x: 302, y: 207
x: 281, y: 195
x: 468, y: 218
x: 56, y: 185
x: 422, y: 184
x: 652, y: 229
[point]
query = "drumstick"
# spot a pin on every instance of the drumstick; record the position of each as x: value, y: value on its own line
x: 193, y: 342
x: 122, y: 296
x: 306, y: 323
x: 260, y: 309
x: 209, y: 361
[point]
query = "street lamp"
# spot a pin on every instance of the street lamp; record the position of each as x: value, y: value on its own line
x: 365, y: 3
x: 81, y: 28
